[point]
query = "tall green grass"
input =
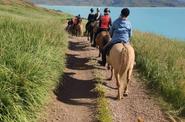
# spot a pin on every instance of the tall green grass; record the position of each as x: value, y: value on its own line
x: 103, y: 113
x: 32, y: 56
x: 162, y: 61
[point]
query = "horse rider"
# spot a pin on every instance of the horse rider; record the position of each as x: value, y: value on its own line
x: 104, y: 25
x: 121, y: 32
x: 97, y: 15
x: 90, y: 18
x: 76, y: 19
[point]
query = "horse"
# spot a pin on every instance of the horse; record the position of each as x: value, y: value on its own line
x: 78, y: 28
x: 101, y: 40
x: 121, y: 59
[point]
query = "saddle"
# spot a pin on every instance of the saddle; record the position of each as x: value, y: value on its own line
x: 110, y: 47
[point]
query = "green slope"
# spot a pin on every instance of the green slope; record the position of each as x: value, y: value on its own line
x: 32, y: 56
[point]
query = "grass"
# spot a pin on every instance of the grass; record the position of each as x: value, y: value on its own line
x: 32, y: 58
x: 103, y: 113
x: 162, y: 61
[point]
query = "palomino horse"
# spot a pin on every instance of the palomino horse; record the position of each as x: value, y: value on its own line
x: 121, y: 58
x: 78, y: 29
x: 101, y: 40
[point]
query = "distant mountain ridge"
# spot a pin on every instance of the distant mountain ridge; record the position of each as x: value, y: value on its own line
x: 130, y: 3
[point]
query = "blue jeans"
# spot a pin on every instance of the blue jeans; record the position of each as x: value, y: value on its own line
x: 106, y: 50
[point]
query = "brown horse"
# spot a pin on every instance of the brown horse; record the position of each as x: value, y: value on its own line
x: 101, y: 40
x: 121, y: 58
x: 78, y: 28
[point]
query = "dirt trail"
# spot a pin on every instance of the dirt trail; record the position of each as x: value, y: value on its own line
x: 74, y: 102
x: 138, y: 103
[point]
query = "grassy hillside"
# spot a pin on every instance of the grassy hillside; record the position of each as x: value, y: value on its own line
x: 32, y: 51
x: 162, y: 61
x: 121, y: 3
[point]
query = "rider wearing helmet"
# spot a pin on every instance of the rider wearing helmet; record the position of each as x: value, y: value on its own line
x: 121, y: 32
x: 104, y: 25
x: 90, y: 18
x: 91, y: 15
x: 76, y: 19
x: 97, y: 15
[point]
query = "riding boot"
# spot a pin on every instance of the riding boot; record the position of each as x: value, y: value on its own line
x: 103, y: 62
x: 103, y: 58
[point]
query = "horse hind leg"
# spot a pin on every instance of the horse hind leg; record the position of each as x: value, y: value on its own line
x: 99, y: 55
x: 88, y: 35
x: 91, y: 37
x: 119, y: 85
x: 129, y: 73
x: 109, y: 67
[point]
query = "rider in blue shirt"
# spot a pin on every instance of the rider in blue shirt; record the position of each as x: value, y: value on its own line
x: 121, y: 32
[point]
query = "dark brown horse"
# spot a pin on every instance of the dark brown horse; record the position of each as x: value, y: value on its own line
x: 78, y: 28
x: 75, y: 29
x: 101, y: 40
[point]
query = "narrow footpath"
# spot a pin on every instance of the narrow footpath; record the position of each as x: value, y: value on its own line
x: 74, y: 101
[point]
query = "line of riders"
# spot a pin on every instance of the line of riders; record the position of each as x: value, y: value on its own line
x: 113, y: 40
x: 97, y: 23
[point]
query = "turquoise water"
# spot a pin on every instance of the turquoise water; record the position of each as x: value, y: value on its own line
x: 169, y: 22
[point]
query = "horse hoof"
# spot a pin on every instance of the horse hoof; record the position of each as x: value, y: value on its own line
x: 119, y: 97
x: 109, y: 79
x: 104, y: 83
x: 125, y: 94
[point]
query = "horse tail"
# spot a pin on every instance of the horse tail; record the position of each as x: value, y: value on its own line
x: 106, y: 39
x: 124, y: 61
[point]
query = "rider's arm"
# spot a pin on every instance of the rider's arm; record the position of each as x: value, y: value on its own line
x: 98, y: 16
x: 130, y: 31
x: 88, y: 17
x: 112, y: 30
x: 110, y: 22
x: 100, y: 22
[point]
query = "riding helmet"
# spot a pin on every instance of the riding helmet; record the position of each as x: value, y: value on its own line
x: 92, y: 10
x: 98, y: 9
x: 107, y: 10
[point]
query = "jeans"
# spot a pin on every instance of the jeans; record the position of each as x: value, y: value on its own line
x: 106, y: 50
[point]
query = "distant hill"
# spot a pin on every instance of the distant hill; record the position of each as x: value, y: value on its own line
x: 130, y: 3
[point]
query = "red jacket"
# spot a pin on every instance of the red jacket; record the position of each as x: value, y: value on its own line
x: 105, y: 21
